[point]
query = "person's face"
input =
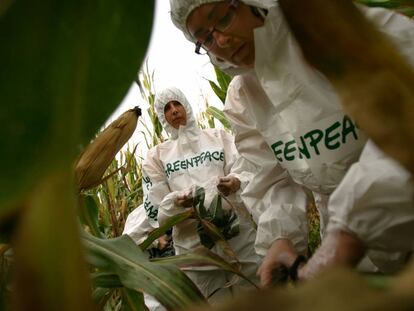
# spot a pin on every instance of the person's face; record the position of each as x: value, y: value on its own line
x: 226, y: 31
x: 175, y: 114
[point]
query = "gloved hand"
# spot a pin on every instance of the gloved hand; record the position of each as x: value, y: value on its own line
x: 281, y: 254
x: 337, y: 248
x: 184, y: 200
x: 163, y: 241
x: 228, y: 185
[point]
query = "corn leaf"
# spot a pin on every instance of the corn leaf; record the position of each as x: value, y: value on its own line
x: 132, y: 300
x: 47, y: 250
x: 101, y: 296
x: 105, y: 280
x: 88, y: 212
x: 171, y: 222
x: 120, y: 256
x: 219, y: 115
x: 218, y: 91
x: 222, y: 78
x: 202, y: 257
x: 63, y: 72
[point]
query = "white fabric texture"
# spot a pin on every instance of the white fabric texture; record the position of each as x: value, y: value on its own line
x: 375, y: 202
x: 194, y: 157
x: 137, y: 225
x: 302, y: 102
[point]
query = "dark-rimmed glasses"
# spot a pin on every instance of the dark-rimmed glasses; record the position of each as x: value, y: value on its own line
x: 221, y: 25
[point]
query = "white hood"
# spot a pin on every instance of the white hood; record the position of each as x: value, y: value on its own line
x: 181, y: 9
x: 174, y: 94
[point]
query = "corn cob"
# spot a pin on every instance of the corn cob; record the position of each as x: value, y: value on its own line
x: 99, y: 154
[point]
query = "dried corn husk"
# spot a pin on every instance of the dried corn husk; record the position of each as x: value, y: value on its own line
x: 373, y: 80
x: 99, y: 154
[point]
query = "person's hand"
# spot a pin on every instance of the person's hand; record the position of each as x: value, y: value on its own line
x: 163, y: 241
x: 184, y: 200
x: 338, y: 248
x: 228, y: 185
x: 281, y: 253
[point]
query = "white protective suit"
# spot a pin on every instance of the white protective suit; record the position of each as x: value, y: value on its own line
x: 195, y: 157
x: 138, y: 227
x: 310, y: 137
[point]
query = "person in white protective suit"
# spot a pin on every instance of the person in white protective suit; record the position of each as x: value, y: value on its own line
x: 138, y: 227
x: 194, y: 157
x: 364, y: 198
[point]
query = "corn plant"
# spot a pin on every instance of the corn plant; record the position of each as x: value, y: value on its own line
x: 145, y: 81
x: 64, y: 70
x: 220, y: 90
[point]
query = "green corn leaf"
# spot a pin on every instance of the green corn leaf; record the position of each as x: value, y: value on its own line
x: 216, y: 210
x: 205, y: 239
x: 198, y: 201
x: 132, y: 300
x: 218, y: 91
x: 202, y: 257
x: 88, y: 212
x: 101, y: 296
x: 219, y: 115
x: 52, y: 257
x: 63, y: 72
x: 120, y: 256
x: 105, y: 280
x: 171, y: 222
x: 222, y: 78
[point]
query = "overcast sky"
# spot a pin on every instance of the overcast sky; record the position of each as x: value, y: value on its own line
x: 174, y: 63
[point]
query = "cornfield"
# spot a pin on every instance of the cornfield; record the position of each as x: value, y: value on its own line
x: 62, y: 249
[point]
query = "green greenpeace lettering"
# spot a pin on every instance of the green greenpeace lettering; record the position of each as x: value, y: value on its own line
x: 310, y: 143
x: 195, y: 161
x: 150, y: 209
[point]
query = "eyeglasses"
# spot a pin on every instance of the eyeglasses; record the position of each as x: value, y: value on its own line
x: 222, y: 24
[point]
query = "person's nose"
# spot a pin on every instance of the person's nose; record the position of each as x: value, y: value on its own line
x: 222, y: 40
x: 174, y: 110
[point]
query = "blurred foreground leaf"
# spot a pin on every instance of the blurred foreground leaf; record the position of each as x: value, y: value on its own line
x: 63, y: 71
x: 51, y: 273
x: 123, y: 258
x: 65, y: 66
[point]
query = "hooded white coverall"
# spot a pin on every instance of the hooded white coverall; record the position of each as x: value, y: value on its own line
x: 137, y: 227
x: 292, y: 108
x: 195, y: 157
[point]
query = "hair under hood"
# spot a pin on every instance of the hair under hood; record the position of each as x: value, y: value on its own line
x: 162, y: 99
